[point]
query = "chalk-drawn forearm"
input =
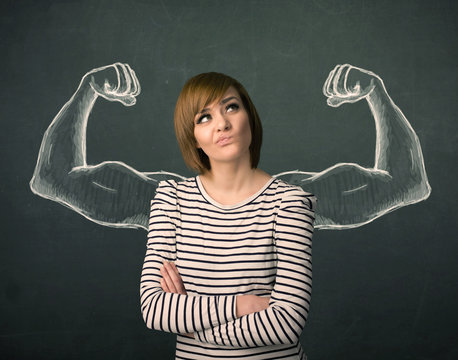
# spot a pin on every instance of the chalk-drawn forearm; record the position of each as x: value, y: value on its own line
x: 110, y: 193
x: 349, y: 194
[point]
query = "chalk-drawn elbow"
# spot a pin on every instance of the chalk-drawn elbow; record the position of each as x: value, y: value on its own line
x: 417, y: 191
x: 42, y: 186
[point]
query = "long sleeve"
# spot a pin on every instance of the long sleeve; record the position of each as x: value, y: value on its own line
x: 168, y: 311
x: 282, y: 322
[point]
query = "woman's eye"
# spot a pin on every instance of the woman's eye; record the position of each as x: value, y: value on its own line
x: 203, y: 119
x: 232, y: 107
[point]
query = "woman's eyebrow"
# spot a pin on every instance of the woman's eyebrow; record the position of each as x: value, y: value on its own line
x: 228, y: 99
x: 222, y: 102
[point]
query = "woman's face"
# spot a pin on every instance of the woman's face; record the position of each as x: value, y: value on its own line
x: 222, y: 129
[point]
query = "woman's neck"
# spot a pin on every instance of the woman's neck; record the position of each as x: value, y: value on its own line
x: 229, y: 184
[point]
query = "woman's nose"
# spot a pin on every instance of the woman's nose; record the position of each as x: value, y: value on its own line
x: 223, y: 123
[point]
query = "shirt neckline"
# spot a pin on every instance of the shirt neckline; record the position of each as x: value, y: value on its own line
x: 212, y: 201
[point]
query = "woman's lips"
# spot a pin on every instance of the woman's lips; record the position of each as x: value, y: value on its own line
x: 224, y: 140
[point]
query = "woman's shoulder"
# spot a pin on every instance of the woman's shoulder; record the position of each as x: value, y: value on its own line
x: 287, y: 192
x: 172, y: 185
x: 285, y: 188
x: 177, y: 189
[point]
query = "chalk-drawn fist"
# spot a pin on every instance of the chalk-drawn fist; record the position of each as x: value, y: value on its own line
x: 116, y: 82
x: 348, y: 84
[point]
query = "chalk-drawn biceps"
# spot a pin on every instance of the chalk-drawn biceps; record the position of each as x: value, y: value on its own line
x: 349, y: 195
x: 106, y: 188
x: 351, y: 191
x: 111, y: 193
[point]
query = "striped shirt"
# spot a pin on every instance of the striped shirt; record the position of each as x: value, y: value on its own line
x: 261, y: 246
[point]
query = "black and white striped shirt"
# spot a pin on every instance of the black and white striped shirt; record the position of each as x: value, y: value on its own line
x: 261, y: 246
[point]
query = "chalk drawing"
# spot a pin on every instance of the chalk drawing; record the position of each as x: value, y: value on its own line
x: 114, y: 194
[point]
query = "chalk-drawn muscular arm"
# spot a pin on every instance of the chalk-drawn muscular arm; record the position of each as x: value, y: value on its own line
x: 110, y: 193
x: 350, y: 195
x: 114, y: 194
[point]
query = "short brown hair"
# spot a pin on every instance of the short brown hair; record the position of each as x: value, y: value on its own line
x: 202, y: 90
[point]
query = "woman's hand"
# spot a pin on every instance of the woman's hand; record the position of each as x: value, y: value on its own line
x: 171, y: 282
x: 171, y: 279
x: 247, y: 304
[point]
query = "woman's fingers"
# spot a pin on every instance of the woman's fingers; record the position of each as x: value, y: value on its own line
x: 171, y: 279
x: 164, y: 286
x: 167, y: 279
x: 176, y: 277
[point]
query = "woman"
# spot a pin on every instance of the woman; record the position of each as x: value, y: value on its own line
x: 228, y: 263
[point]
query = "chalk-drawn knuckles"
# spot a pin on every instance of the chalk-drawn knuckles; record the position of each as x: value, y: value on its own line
x: 136, y: 88
x: 340, y: 89
x: 326, y: 83
x: 124, y: 87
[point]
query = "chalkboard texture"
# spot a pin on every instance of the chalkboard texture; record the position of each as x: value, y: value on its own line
x: 70, y: 287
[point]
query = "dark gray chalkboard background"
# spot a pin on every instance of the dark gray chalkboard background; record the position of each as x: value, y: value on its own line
x: 69, y: 287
